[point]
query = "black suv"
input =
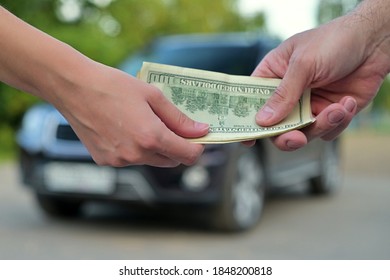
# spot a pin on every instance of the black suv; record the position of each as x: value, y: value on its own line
x: 228, y: 183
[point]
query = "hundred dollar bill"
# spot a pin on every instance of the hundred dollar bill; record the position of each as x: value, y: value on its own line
x: 227, y: 103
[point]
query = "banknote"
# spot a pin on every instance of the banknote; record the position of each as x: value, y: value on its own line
x: 228, y: 103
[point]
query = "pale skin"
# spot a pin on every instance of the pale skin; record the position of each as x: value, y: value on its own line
x: 120, y: 119
x: 344, y: 62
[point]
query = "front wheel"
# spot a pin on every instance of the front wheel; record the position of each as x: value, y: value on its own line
x: 243, y: 191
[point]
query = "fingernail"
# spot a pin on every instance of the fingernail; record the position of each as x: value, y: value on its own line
x: 292, y: 145
x: 350, y: 105
x: 336, y: 117
x: 265, y: 113
x: 201, y: 126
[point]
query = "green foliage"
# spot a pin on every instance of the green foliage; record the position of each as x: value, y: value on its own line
x: 382, y: 100
x: 330, y: 9
x: 108, y: 33
x: 7, y: 141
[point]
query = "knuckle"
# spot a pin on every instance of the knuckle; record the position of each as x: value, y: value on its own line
x: 127, y: 158
x: 149, y: 140
x: 279, y: 94
x: 281, y: 97
x: 182, y: 119
x: 99, y: 161
x: 156, y: 95
x: 191, y: 160
x: 120, y: 158
x: 119, y: 162
x: 302, y: 61
x: 192, y: 157
x: 132, y: 159
x: 109, y: 161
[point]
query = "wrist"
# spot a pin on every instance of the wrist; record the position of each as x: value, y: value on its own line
x: 373, y: 22
x: 74, y: 83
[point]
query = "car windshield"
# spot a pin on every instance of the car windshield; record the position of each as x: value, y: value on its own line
x: 241, y: 59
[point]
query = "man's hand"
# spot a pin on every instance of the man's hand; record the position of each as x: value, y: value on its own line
x: 341, y: 66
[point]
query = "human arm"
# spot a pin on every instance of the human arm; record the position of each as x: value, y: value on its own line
x: 344, y: 62
x: 120, y: 119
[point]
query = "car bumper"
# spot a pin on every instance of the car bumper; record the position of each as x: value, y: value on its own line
x: 83, y: 179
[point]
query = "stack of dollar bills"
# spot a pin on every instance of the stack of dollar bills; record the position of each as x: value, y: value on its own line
x: 228, y: 103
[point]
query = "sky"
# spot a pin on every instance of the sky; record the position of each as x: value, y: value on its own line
x: 284, y: 17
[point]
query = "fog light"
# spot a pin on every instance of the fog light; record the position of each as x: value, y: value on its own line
x: 196, y: 178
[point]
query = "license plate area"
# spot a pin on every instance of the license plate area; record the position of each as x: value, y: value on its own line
x: 83, y: 178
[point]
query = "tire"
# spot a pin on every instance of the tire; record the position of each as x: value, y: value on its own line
x: 59, y: 207
x: 243, y: 192
x: 329, y: 178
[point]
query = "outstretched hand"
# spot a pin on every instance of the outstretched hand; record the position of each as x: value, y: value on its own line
x: 124, y: 121
x: 342, y: 69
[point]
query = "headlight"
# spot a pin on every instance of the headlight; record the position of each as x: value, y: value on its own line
x: 196, y: 178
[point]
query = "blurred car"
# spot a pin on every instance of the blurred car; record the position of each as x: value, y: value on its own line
x: 229, y: 182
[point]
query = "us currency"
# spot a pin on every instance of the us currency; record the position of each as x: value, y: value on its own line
x: 228, y: 103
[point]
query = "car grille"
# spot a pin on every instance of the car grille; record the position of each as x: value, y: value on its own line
x: 65, y: 132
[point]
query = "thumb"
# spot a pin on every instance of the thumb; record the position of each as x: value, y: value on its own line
x: 285, y: 97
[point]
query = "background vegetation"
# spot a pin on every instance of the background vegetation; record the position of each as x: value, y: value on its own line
x: 110, y: 30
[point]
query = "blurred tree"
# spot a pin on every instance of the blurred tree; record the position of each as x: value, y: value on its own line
x: 330, y: 9
x: 110, y: 30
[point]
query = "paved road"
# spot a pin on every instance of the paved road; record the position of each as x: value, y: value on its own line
x: 354, y: 224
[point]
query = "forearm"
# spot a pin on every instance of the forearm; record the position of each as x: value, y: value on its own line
x: 372, y: 19
x: 33, y: 61
x: 375, y: 14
